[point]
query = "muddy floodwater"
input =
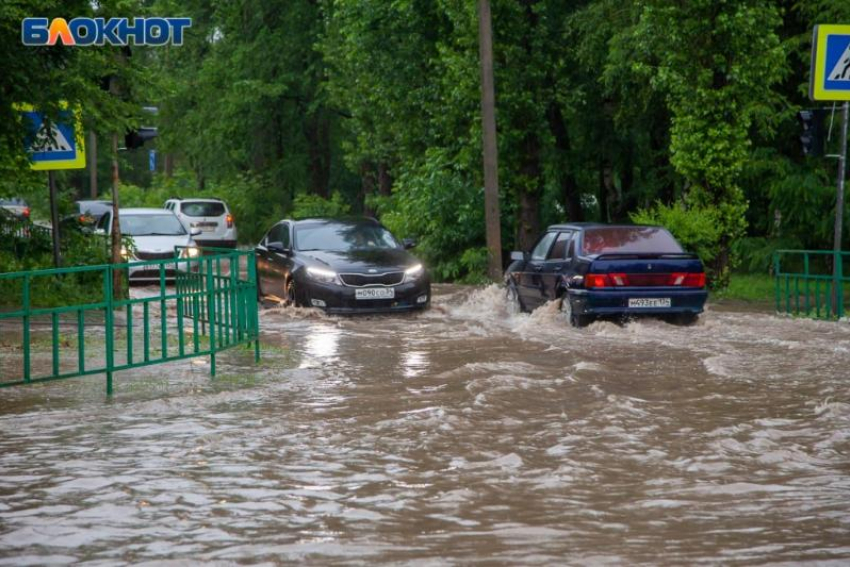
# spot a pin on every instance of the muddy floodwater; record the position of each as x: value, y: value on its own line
x: 465, y: 434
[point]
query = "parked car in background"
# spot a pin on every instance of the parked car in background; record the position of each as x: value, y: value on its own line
x: 212, y: 217
x: 155, y: 234
x: 341, y: 266
x: 16, y: 206
x: 596, y: 270
x: 92, y: 209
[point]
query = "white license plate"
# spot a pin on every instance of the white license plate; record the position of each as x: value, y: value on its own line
x: 375, y: 293
x: 649, y: 303
x: 206, y: 226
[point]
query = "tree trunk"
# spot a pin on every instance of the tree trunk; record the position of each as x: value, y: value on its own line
x: 385, y: 180
x: 317, y: 133
x: 528, y: 227
x: 368, y: 184
x: 570, y: 196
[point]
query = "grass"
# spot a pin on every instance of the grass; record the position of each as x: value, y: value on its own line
x: 748, y: 287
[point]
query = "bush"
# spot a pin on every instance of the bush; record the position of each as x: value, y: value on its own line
x: 698, y: 229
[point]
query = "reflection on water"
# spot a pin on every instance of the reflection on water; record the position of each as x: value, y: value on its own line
x: 460, y: 435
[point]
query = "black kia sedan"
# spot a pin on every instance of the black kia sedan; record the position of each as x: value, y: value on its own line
x: 597, y: 270
x: 340, y: 266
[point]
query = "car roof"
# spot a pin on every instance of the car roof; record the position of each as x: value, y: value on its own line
x: 196, y: 199
x: 586, y: 225
x: 144, y: 211
x: 350, y: 221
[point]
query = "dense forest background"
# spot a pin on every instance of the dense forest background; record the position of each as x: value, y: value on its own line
x: 678, y: 113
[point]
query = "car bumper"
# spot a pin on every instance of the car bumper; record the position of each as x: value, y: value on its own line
x: 151, y: 273
x: 212, y: 243
x: 616, y: 302
x: 339, y: 299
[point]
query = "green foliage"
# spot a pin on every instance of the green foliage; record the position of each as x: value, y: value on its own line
x: 307, y: 206
x: 756, y: 287
x: 696, y: 228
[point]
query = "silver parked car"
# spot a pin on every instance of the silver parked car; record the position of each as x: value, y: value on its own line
x: 211, y: 216
x: 16, y: 206
x: 155, y: 234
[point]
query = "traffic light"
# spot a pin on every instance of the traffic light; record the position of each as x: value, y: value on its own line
x: 813, y: 135
x: 137, y: 138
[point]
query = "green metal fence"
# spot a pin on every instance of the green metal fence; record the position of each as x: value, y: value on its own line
x: 806, y: 285
x: 212, y: 306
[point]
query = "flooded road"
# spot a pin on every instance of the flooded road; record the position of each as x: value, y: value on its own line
x: 464, y: 434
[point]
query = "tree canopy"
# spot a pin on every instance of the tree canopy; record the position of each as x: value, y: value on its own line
x: 680, y: 113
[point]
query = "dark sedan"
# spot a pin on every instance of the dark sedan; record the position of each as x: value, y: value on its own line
x: 341, y: 266
x: 596, y: 270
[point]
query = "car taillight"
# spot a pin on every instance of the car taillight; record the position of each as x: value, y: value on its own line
x: 596, y: 280
x: 689, y: 279
x: 26, y: 212
x: 229, y: 221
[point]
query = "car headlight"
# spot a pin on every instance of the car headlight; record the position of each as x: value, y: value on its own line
x: 413, y: 273
x: 322, y: 275
x: 125, y: 253
x: 191, y: 252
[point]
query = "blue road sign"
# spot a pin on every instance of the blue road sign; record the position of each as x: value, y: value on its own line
x: 58, y: 145
x: 831, y: 63
x: 152, y: 160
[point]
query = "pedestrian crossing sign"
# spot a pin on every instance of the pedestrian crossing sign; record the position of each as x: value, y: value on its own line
x: 54, y: 145
x: 830, y: 63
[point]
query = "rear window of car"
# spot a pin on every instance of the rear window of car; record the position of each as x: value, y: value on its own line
x: 629, y: 240
x: 202, y: 209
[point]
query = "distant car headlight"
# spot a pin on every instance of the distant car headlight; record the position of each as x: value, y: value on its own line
x: 191, y: 252
x: 413, y: 273
x: 125, y: 253
x: 322, y: 275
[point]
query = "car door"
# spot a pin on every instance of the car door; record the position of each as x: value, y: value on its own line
x: 531, y: 281
x: 280, y: 263
x: 557, y: 262
x: 263, y: 260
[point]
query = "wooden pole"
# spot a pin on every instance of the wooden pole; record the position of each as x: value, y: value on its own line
x: 491, y: 160
x: 116, y: 224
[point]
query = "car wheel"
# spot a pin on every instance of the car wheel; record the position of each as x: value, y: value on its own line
x: 512, y: 298
x: 685, y: 319
x: 565, y: 306
x: 291, y: 294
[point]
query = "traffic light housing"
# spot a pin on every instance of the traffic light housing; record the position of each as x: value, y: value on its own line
x: 137, y: 138
x: 812, y: 137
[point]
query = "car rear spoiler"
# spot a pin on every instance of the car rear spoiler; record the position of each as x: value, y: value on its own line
x: 648, y: 256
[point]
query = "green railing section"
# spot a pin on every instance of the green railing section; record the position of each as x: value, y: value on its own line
x: 807, y: 285
x: 211, y: 306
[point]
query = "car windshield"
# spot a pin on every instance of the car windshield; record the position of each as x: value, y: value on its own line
x: 343, y: 237
x: 202, y: 209
x: 629, y: 240
x: 14, y: 202
x: 151, y: 225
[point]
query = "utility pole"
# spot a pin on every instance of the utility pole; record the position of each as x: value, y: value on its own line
x: 492, y: 217
x: 92, y: 153
x: 116, y: 224
x: 837, y: 292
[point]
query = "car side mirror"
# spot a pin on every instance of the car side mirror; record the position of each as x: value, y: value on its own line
x: 195, y: 232
x: 277, y: 247
x: 518, y: 256
x: 408, y: 243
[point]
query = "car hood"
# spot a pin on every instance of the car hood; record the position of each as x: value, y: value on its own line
x: 382, y: 260
x: 160, y: 243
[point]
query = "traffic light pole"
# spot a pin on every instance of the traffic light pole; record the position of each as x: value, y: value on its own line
x: 839, y: 210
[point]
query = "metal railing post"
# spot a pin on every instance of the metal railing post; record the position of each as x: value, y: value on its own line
x: 26, y: 318
x: 211, y: 314
x: 108, y: 322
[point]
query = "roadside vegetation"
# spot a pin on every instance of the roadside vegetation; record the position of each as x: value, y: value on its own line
x: 673, y: 113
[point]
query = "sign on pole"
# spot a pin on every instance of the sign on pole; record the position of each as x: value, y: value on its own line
x: 830, y: 63
x: 57, y: 145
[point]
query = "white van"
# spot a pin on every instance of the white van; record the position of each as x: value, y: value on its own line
x: 211, y: 216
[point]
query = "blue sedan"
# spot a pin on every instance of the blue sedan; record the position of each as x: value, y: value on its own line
x: 596, y: 270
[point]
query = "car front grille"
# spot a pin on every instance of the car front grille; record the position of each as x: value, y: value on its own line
x: 365, y: 280
x: 154, y: 255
